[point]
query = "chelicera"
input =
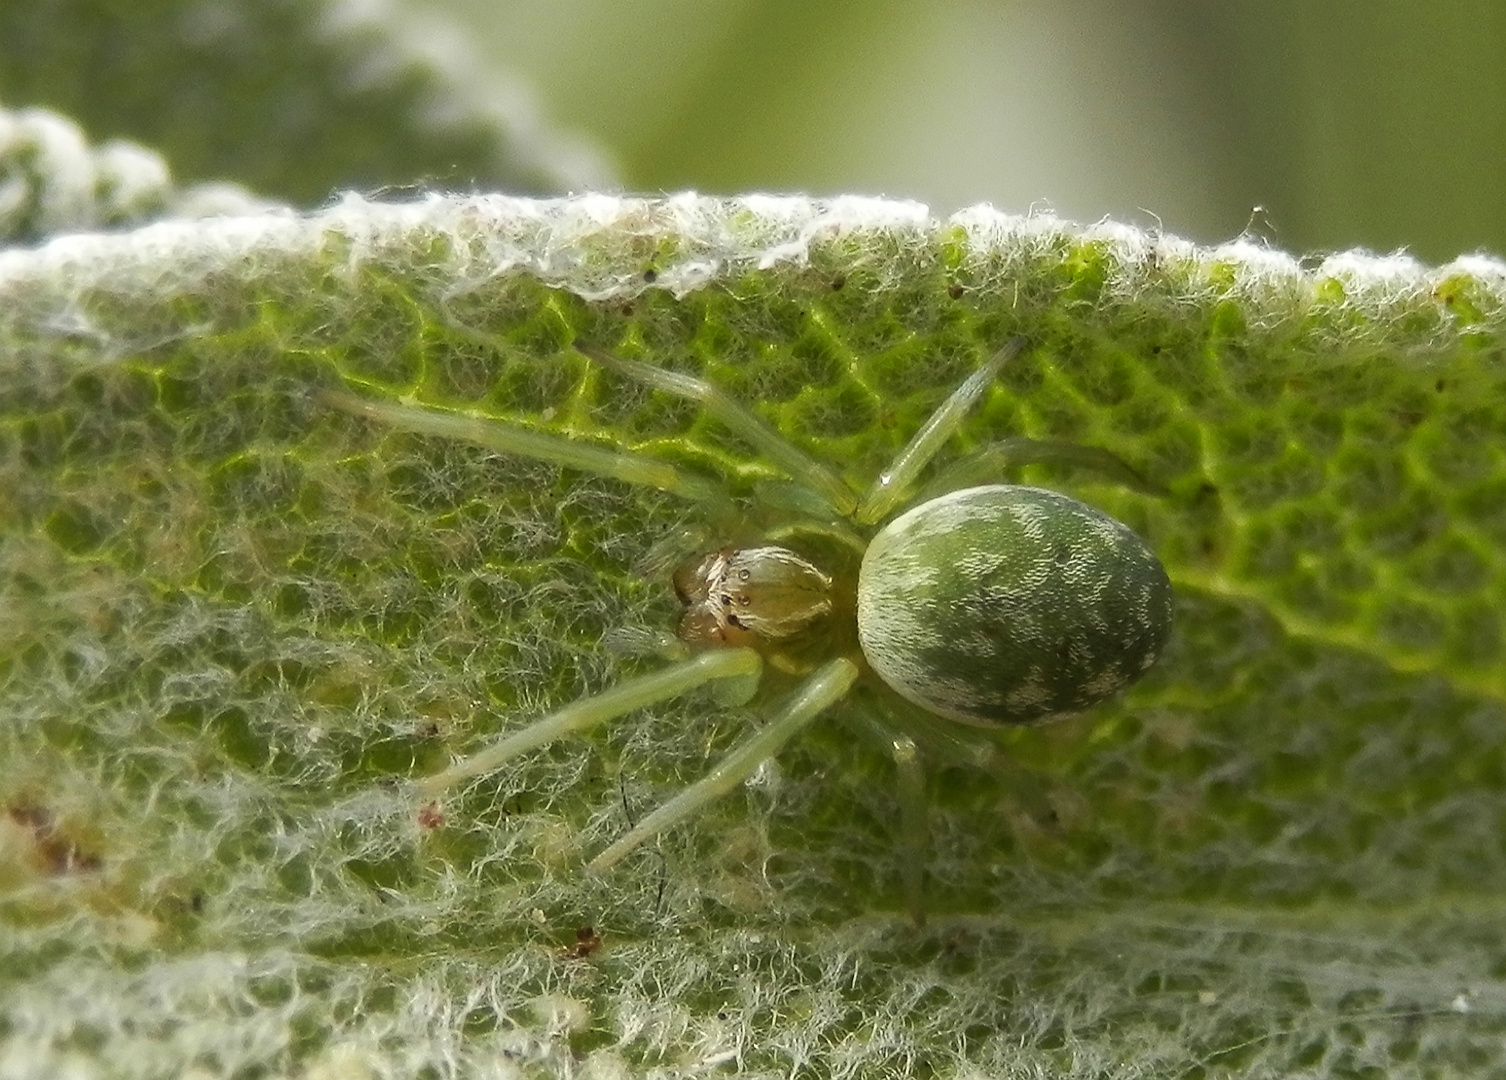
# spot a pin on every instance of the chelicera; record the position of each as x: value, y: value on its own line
x: 928, y: 613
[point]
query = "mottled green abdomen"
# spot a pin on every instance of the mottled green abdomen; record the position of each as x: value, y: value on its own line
x: 1002, y: 605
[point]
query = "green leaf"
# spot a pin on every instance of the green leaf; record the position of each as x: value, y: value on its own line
x: 233, y: 621
x: 293, y: 98
x: 52, y: 181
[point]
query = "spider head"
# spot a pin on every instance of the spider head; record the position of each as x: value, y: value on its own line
x: 757, y: 597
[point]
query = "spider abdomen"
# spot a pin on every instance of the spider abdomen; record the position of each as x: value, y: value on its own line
x: 1004, y: 604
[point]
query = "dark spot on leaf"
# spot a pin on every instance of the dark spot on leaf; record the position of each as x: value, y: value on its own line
x: 1207, y: 492
x: 53, y: 851
x: 586, y: 942
x: 430, y: 816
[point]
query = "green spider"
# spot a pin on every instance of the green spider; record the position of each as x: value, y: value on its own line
x: 981, y: 605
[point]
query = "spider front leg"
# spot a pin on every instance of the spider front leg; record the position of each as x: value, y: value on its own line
x: 508, y: 438
x: 741, y: 669
x: 803, y: 469
x: 826, y: 687
x: 894, y: 483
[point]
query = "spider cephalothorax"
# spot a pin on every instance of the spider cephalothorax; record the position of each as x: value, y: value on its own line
x: 750, y: 596
x: 987, y: 605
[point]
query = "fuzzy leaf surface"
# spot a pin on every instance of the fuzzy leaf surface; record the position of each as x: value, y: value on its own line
x: 234, y: 622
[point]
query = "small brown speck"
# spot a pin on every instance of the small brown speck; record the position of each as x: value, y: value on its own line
x: 54, y: 853
x: 955, y: 291
x: 586, y: 942
x: 650, y: 275
x: 430, y: 816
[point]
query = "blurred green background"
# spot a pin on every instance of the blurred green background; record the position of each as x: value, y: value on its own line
x: 1318, y: 127
x: 1373, y: 123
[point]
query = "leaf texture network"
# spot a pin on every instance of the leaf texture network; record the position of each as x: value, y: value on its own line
x: 233, y: 622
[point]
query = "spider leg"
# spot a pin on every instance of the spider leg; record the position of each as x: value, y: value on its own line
x: 914, y: 824
x: 941, y: 741
x: 670, y: 682
x: 892, y: 485
x: 789, y: 457
x: 914, y: 811
x: 670, y: 550
x: 988, y: 464
x: 510, y: 439
x: 827, y: 686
